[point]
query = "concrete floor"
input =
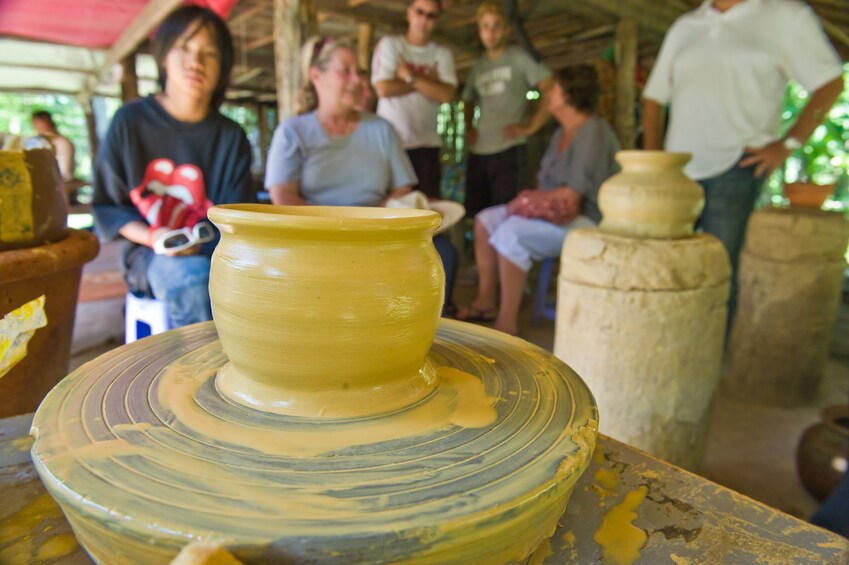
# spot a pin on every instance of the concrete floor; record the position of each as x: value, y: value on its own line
x: 750, y: 448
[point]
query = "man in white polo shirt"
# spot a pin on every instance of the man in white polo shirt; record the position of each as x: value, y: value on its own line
x: 723, y: 69
x: 413, y: 75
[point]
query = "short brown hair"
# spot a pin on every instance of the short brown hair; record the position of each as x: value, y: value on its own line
x: 581, y: 85
x: 437, y: 2
x: 489, y: 7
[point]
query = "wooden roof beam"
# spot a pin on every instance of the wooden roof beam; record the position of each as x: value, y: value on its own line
x: 246, y: 76
x: 261, y: 42
x: 835, y: 32
x: 246, y: 14
x: 134, y: 34
x: 648, y: 14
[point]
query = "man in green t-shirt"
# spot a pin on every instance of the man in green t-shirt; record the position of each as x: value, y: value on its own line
x: 498, y: 84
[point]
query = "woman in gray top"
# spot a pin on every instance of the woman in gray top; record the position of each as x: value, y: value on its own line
x: 532, y: 226
x: 332, y: 154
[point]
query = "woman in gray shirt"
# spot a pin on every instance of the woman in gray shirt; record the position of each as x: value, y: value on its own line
x: 332, y: 154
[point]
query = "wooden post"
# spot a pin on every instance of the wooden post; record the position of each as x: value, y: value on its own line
x: 91, y: 126
x: 262, y: 123
x: 129, y: 79
x: 626, y: 68
x: 364, y: 39
x: 309, y: 18
x: 287, y: 42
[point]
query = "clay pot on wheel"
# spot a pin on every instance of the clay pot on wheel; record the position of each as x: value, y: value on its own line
x: 823, y: 452
x: 651, y: 197
x: 290, y: 284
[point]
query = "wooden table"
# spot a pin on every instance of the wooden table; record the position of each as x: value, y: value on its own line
x: 628, y: 505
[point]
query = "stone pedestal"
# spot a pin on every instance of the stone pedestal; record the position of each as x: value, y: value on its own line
x: 642, y: 322
x: 791, y: 274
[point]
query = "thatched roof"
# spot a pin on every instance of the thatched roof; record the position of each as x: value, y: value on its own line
x: 563, y: 31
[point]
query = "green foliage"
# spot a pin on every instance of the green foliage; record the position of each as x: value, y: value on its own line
x: 825, y: 157
x: 248, y: 118
x: 68, y: 115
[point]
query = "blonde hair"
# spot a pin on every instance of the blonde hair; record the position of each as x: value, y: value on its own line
x: 316, y: 53
x: 489, y: 7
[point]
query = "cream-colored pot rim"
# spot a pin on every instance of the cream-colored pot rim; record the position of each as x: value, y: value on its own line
x: 639, y: 159
x: 345, y: 218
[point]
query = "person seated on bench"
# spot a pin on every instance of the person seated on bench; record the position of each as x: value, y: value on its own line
x: 166, y: 159
x: 532, y: 226
x: 333, y: 154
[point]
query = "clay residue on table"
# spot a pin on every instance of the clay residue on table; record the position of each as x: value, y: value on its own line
x: 619, y: 539
x: 20, y: 532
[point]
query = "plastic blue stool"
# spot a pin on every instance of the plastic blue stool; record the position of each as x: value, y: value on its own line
x: 542, y: 308
x: 143, y: 317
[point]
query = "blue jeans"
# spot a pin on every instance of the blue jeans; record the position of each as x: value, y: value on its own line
x: 729, y: 200
x: 450, y: 262
x: 183, y: 284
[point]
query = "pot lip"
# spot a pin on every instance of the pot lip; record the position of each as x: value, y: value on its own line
x: 357, y: 218
x: 810, y: 186
x: 75, y: 249
x: 637, y: 157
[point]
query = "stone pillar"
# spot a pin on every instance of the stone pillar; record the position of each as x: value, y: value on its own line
x: 642, y: 321
x: 791, y: 274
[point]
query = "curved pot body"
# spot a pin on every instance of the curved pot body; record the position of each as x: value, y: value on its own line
x: 325, y: 311
x: 650, y: 197
x: 823, y: 451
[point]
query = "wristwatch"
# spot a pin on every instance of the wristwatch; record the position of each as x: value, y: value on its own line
x: 792, y: 144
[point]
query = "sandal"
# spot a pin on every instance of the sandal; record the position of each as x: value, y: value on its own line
x: 474, y: 314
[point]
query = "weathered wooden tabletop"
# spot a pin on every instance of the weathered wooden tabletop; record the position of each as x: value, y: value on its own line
x: 627, y: 507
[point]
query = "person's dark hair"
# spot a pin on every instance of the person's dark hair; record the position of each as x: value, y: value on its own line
x: 581, y: 85
x: 194, y: 18
x: 44, y: 115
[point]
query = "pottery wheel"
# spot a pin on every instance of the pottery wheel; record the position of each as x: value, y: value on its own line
x: 143, y: 453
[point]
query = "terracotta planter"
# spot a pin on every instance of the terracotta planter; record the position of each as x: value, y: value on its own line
x: 33, y: 209
x: 52, y: 270
x: 823, y: 452
x: 807, y: 194
x: 290, y: 284
x: 651, y: 197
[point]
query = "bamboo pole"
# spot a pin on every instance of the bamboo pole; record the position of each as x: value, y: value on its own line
x: 129, y: 79
x: 626, y: 68
x: 364, y: 38
x: 287, y: 41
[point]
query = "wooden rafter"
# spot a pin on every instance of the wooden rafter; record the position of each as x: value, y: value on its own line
x: 649, y: 14
x: 836, y: 33
x: 148, y: 19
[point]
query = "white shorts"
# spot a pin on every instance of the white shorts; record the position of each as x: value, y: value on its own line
x: 523, y: 240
